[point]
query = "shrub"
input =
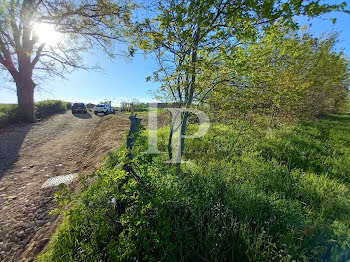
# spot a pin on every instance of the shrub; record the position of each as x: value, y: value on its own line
x: 9, y: 113
x: 50, y: 107
x: 140, y: 107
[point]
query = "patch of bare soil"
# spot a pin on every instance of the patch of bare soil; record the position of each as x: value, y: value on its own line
x: 109, y: 135
x: 29, y: 155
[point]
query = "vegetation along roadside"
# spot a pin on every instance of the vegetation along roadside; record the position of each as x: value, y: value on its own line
x: 10, y: 113
x: 280, y: 195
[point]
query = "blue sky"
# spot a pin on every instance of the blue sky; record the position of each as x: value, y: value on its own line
x: 120, y: 79
x: 124, y: 80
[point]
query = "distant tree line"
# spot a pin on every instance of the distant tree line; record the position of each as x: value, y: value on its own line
x: 138, y: 106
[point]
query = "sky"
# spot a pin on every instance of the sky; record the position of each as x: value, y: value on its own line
x: 125, y: 80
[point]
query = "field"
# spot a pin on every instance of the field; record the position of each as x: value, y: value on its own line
x: 274, y: 195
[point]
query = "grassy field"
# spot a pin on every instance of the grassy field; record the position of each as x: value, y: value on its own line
x: 279, y: 195
x: 9, y: 113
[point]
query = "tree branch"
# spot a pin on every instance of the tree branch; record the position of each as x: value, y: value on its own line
x: 38, y: 54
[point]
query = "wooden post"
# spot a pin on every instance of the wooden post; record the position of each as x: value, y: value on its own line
x: 131, y: 138
x: 132, y: 109
x: 130, y: 141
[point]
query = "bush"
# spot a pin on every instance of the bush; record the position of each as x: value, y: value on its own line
x: 140, y: 107
x: 9, y: 113
x: 256, y: 199
x: 50, y: 107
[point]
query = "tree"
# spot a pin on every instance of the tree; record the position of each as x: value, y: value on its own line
x: 82, y: 25
x: 189, y: 37
x: 285, y: 73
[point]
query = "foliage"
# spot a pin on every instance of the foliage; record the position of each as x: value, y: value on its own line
x: 190, y: 37
x: 276, y: 196
x: 140, y: 107
x: 47, y: 108
x: 345, y: 107
x: 9, y: 113
x: 284, y: 74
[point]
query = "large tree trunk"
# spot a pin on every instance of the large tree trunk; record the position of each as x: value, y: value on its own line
x: 25, y: 95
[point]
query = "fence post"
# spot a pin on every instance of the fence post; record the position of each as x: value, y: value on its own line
x: 131, y: 138
x: 130, y: 141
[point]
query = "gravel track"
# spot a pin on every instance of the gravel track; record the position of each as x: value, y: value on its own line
x: 29, y: 155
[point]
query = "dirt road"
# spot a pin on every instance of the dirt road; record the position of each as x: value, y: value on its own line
x: 29, y: 155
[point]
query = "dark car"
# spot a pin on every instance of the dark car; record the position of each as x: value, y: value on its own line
x: 79, y: 108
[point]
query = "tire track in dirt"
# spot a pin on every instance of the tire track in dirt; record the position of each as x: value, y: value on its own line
x: 29, y: 155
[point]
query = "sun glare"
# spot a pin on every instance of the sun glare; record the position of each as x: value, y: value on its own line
x: 47, y: 34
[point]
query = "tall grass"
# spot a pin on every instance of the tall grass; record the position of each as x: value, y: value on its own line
x: 281, y: 196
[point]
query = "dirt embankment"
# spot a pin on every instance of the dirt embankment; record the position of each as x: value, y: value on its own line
x: 29, y: 155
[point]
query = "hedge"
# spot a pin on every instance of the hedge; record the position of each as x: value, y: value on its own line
x: 50, y: 107
x: 9, y: 113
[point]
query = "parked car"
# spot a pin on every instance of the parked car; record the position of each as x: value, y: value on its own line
x: 104, y: 108
x: 79, y: 108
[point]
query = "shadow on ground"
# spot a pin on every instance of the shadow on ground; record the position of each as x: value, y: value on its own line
x: 83, y: 116
x: 100, y: 115
x: 11, y: 139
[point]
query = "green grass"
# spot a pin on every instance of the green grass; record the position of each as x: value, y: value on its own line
x: 276, y: 196
x: 9, y: 113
